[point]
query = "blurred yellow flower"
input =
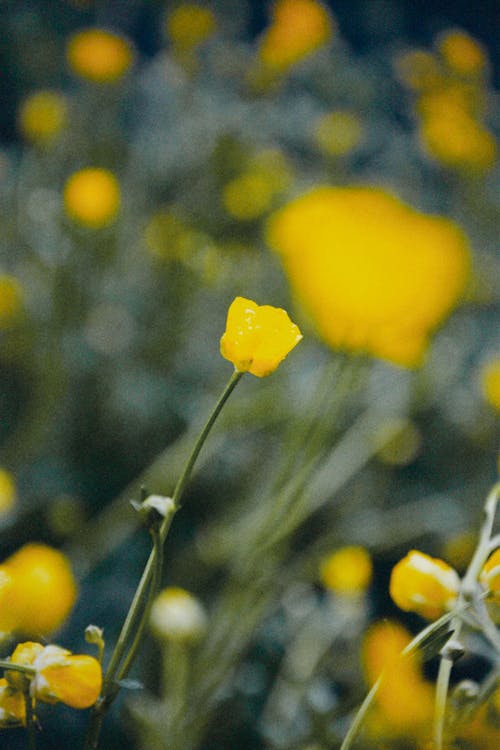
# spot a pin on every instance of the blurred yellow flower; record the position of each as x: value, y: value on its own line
x: 37, y: 590
x: 298, y: 28
x: 189, y: 25
x: 347, y: 571
x: 338, y: 133
x: 176, y: 615
x: 98, y: 55
x: 7, y: 491
x: 24, y: 654
x: 42, y: 115
x: 463, y: 54
x: 458, y: 140
x: 257, y: 337
x: 490, y: 382
x: 12, y: 706
x: 418, y: 69
x: 73, y: 679
x: 92, y: 197
x: 490, y: 574
x: 374, y: 274
x: 248, y: 196
x: 423, y: 584
x: 11, y: 297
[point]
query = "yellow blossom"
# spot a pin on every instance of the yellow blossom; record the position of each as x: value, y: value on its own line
x: 248, y: 196
x: 458, y: 141
x: 490, y: 574
x: 298, y: 28
x: 99, y: 55
x: 374, y: 274
x: 189, y: 25
x: 42, y: 116
x: 11, y: 297
x: 24, y: 654
x: 38, y: 590
x: 418, y: 69
x: 463, y: 54
x: 7, y: 491
x: 490, y: 382
x: 73, y: 679
x: 347, y: 571
x: 423, y: 584
x: 257, y: 337
x: 176, y: 615
x: 92, y: 197
x: 12, y: 706
x: 338, y: 133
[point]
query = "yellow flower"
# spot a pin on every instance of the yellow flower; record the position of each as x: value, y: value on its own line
x: 424, y: 584
x: 92, y: 197
x: 7, y: 491
x: 11, y: 297
x: 189, y: 25
x: 24, y: 654
x: 490, y: 383
x: 38, y: 592
x: 42, y: 116
x: 99, y: 55
x: 375, y: 275
x: 418, y: 69
x: 347, y: 570
x: 338, y: 133
x: 490, y: 574
x: 176, y: 615
x: 257, y: 337
x: 12, y: 706
x: 463, y: 54
x: 248, y: 196
x: 75, y: 680
x: 298, y: 28
x: 458, y: 141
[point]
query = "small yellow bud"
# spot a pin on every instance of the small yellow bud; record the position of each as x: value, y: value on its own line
x: 423, y: 584
x: 347, y: 570
x: 92, y: 197
x: 177, y: 616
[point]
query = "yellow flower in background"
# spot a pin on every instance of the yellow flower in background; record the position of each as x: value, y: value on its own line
x: 12, y: 706
x: 248, y: 196
x: 457, y: 140
x: 257, y: 337
x: 73, y: 679
x: 374, y: 274
x: 298, y: 28
x: 423, y: 584
x: 11, y: 298
x: 490, y: 574
x: 338, y: 133
x: 463, y: 54
x: 98, y: 55
x: 189, y: 25
x: 176, y: 615
x: 7, y: 491
x: 37, y: 590
x: 418, y: 69
x: 404, y: 701
x: 347, y: 571
x: 490, y: 382
x: 92, y: 197
x: 42, y: 115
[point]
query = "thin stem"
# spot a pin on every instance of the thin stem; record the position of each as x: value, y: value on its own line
x: 30, y: 722
x: 6, y: 664
x: 442, y: 685
x: 360, y: 715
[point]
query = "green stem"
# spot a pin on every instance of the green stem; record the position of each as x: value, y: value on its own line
x: 6, y: 664
x: 30, y: 723
x: 135, y: 622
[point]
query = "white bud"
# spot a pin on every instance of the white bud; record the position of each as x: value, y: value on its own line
x: 178, y: 616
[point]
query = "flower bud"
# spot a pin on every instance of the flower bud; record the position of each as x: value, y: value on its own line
x: 177, y: 616
x: 423, y: 584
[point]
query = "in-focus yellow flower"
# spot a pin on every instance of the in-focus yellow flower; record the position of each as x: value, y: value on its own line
x: 7, y: 491
x: 176, y: 615
x: 189, y: 25
x: 490, y: 574
x: 11, y: 299
x: 99, y: 55
x: 490, y: 382
x: 374, y: 274
x: 463, y: 54
x: 423, y: 584
x: 73, y: 679
x: 347, y: 571
x: 257, y: 337
x: 338, y: 133
x: 92, y: 197
x: 42, y: 116
x: 12, y: 706
x: 39, y: 590
x: 298, y: 28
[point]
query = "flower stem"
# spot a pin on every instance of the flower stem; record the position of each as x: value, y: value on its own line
x: 136, y: 619
x: 30, y: 723
x: 24, y: 668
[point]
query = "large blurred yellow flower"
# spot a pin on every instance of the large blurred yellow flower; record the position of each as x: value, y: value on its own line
x: 374, y: 274
x: 92, y: 197
x: 99, y: 55
x: 257, y: 337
